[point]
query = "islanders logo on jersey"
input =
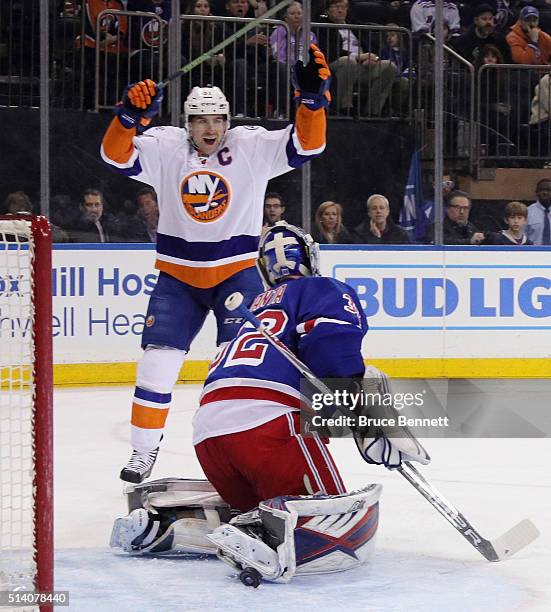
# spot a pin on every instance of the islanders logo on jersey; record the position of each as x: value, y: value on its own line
x: 154, y: 33
x: 205, y: 195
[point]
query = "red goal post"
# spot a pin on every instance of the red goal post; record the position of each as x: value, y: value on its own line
x: 26, y: 404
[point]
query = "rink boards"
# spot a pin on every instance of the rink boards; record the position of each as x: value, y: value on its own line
x: 433, y: 312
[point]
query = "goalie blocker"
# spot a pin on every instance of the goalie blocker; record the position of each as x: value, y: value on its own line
x: 283, y: 537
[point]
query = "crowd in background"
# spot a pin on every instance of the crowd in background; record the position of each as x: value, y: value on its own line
x: 91, y: 221
x: 521, y: 225
x: 491, y: 32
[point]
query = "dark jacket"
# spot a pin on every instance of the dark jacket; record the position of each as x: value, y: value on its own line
x: 343, y: 237
x: 453, y: 232
x: 142, y: 33
x: 393, y: 234
x: 469, y: 45
x: 87, y: 231
x: 501, y: 238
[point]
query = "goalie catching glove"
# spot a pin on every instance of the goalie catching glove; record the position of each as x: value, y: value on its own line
x: 391, y: 444
x: 140, y: 103
x: 313, y: 80
x: 390, y: 452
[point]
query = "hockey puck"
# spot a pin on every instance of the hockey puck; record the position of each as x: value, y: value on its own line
x: 250, y: 577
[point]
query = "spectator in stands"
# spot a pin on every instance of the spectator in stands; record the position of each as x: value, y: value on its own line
x: 538, y: 228
x: 259, y: 7
x: 529, y: 45
x: 198, y: 37
x: 293, y: 17
x: 457, y: 227
x: 146, y: 37
x: 92, y: 224
x: 110, y: 37
x: 394, y: 50
x: 540, y: 114
x: 422, y: 17
x: 427, y: 208
x: 329, y: 228
x: 274, y: 208
x: 350, y: 65
x: 481, y: 34
x: 379, y: 228
x: 251, y: 66
x: 68, y: 8
x: 506, y: 12
x: 218, y: 7
x: 516, y: 217
x: 17, y: 202
x: 148, y: 215
x: 497, y: 133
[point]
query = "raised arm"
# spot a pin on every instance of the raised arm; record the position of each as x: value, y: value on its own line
x: 311, y: 84
x: 141, y: 102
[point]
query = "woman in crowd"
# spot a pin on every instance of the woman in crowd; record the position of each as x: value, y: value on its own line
x: 200, y: 36
x: 278, y: 40
x: 329, y: 228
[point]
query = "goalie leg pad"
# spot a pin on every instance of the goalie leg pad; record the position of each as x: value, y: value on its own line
x: 134, y: 531
x: 170, y: 516
x: 313, y: 534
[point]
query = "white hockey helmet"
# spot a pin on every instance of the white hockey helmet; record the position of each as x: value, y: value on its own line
x: 205, y: 101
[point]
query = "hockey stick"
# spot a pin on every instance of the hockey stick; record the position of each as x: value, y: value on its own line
x: 499, y: 549
x: 222, y: 45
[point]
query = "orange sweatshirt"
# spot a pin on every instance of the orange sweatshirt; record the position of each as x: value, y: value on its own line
x: 524, y: 51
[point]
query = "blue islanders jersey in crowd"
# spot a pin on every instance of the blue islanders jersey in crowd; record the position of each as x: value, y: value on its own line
x: 250, y: 382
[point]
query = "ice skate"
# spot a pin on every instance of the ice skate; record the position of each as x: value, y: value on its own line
x: 139, y: 467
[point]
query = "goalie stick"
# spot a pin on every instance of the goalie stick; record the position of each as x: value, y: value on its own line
x: 515, y: 539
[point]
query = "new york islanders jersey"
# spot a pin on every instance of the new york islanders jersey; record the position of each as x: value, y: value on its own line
x: 210, y: 212
x: 250, y: 382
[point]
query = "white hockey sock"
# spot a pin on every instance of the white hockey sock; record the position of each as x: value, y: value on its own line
x: 157, y: 374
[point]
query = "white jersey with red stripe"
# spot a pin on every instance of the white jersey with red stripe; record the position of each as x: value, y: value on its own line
x: 210, y: 209
x: 250, y: 382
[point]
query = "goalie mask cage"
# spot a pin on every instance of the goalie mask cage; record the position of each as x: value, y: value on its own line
x: 26, y: 389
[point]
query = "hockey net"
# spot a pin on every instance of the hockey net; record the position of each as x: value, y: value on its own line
x: 26, y: 501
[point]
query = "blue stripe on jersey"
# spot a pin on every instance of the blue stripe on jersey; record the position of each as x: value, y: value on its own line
x: 206, y: 251
x: 151, y: 396
x: 133, y: 170
x: 294, y: 158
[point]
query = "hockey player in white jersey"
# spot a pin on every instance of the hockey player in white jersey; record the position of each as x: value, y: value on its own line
x: 296, y: 516
x: 210, y: 183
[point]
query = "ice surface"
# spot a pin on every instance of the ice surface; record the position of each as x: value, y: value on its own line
x: 421, y: 562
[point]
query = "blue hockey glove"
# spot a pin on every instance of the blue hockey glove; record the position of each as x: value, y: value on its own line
x: 140, y: 103
x: 313, y: 80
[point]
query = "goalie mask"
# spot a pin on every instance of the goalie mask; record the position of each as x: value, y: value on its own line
x: 205, y: 101
x: 287, y: 250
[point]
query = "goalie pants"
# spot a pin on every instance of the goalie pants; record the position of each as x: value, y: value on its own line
x: 269, y: 460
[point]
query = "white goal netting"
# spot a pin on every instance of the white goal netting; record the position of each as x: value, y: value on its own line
x: 17, y: 415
